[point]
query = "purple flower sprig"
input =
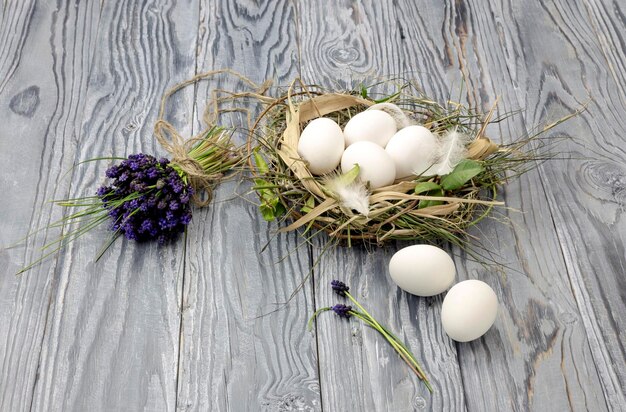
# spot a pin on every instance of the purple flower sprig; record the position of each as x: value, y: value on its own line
x: 339, y: 287
x: 344, y: 311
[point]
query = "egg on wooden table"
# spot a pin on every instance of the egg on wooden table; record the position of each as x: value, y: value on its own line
x: 422, y: 270
x: 376, y: 167
x: 414, y: 150
x: 373, y: 126
x: 469, y: 309
x: 321, y: 144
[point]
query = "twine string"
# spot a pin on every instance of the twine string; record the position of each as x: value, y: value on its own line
x: 178, y: 147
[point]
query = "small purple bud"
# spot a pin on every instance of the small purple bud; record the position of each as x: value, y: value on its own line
x: 339, y: 287
x: 342, y: 311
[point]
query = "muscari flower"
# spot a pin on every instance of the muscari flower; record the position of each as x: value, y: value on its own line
x: 339, y: 287
x: 345, y: 311
x: 342, y: 311
x: 147, y: 199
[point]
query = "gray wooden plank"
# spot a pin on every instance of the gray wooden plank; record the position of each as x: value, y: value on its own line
x: 543, y: 358
x: 601, y: 296
x: 112, y: 331
x: 514, y: 380
x: 233, y: 357
x: 587, y: 208
x: 358, y: 370
x: 41, y: 92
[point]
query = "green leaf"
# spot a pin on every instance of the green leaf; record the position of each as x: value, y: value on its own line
x: 259, y: 187
x: 309, y: 204
x: 279, y: 209
x: 429, y: 189
x: 352, y: 174
x: 363, y: 91
x: 426, y: 187
x: 261, y: 164
x: 267, y: 213
x: 270, y: 206
x: 428, y: 203
x: 462, y: 173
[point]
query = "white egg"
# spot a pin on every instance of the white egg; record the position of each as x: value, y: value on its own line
x: 375, y: 164
x: 321, y: 144
x: 414, y: 150
x: 469, y: 309
x: 422, y: 270
x: 373, y: 126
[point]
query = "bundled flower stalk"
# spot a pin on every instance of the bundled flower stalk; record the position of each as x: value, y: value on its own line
x: 150, y: 199
x: 146, y: 199
x: 345, y: 311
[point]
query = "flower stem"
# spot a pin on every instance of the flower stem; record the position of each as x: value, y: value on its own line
x: 399, y: 347
x: 408, y: 352
x: 392, y: 339
x: 317, y: 312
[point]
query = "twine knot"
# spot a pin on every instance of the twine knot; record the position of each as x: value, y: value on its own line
x: 178, y: 148
x: 168, y: 137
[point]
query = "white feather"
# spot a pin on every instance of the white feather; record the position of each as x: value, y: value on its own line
x: 352, y: 196
x: 402, y: 120
x: 453, y: 149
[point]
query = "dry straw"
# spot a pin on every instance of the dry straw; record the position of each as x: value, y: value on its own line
x: 404, y: 210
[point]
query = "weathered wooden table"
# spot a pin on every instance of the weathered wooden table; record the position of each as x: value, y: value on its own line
x: 146, y: 328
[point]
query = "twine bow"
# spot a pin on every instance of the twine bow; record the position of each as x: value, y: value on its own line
x: 178, y: 147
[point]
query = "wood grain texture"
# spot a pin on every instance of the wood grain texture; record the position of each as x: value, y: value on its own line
x: 551, y: 88
x: 358, y: 46
x: 355, y: 354
x: 235, y: 353
x: 595, y: 183
x: 559, y: 350
x: 41, y: 91
x: 112, y: 328
x: 542, y: 344
x: 147, y: 329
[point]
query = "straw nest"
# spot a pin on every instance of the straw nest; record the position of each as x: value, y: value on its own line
x: 425, y: 208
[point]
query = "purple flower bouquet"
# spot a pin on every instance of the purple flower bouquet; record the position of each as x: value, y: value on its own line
x: 146, y: 199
